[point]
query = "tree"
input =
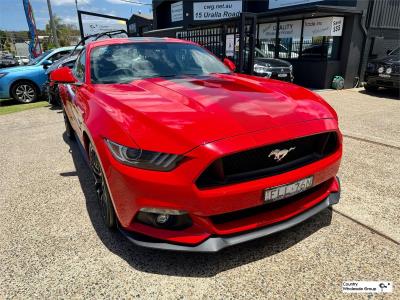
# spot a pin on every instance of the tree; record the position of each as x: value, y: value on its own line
x: 65, y: 33
x: 5, y: 44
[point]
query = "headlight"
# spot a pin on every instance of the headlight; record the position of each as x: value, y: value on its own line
x: 143, y: 159
x: 381, y: 70
x: 3, y: 74
x: 261, y: 69
x: 389, y: 70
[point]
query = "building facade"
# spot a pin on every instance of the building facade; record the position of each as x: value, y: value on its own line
x: 139, y: 24
x: 321, y: 39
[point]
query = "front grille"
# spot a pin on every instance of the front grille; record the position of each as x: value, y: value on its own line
x: 260, y: 162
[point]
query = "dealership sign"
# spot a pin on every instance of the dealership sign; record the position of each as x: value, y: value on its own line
x: 290, y: 29
x: 229, y: 44
x: 177, y: 11
x: 329, y: 26
x: 216, y: 10
x: 94, y: 24
x: 267, y: 31
x: 284, y: 3
x: 287, y: 29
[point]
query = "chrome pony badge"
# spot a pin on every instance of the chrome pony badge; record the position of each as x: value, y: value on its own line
x: 280, y: 154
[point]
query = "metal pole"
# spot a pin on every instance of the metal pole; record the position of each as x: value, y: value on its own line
x: 53, y: 25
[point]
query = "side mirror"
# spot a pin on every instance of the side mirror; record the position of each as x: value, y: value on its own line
x: 230, y: 64
x: 46, y: 63
x: 63, y: 75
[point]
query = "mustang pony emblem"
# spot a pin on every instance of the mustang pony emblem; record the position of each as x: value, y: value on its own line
x: 279, y: 154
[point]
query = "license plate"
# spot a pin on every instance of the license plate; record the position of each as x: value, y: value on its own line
x: 288, y: 190
x: 282, y: 75
x: 384, y: 75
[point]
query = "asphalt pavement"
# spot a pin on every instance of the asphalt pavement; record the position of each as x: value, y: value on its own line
x: 53, y: 243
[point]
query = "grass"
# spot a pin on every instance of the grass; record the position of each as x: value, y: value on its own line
x: 9, y: 106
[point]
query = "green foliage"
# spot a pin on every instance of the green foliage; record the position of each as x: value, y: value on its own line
x: 4, y: 41
x: 65, y: 32
x: 8, y: 106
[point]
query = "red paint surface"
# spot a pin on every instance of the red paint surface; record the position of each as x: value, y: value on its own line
x: 203, y: 118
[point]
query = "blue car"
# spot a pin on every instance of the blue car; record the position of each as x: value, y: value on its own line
x: 24, y: 83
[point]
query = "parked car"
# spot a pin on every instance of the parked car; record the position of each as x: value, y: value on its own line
x: 50, y: 88
x: 272, y: 67
x: 7, y: 60
x: 384, y: 72
x: 22, y: 60
x: 188, y: 155
x: 268, y: 50
x: 24, y: 83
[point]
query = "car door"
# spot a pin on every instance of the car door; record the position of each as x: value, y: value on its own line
x: 76, y: 96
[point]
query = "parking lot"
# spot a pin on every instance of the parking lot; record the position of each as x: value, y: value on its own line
x: 53, y: 243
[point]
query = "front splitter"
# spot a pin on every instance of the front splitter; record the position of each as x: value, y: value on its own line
x: 214, y: 244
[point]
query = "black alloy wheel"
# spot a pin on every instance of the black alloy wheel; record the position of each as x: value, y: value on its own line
x: 69, y: 131
x: 103, y: 195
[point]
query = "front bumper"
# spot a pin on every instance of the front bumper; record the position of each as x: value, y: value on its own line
x: 389, y: 81
x: 217, y: 243
x: 132, y: 189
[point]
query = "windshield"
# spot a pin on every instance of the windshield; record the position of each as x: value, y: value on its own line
x: 39, y: 58
x: 395, y: 52
x: 259, y: 53
x: 126, y: 62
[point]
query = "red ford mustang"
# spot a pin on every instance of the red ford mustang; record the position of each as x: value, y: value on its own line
x: 188, y: 155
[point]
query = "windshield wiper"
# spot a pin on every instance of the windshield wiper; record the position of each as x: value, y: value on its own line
x: 157, y: 76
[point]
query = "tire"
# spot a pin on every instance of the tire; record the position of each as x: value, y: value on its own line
x: 371, y: 88
x: 69, y: 131
x: 103, y: 194
x: 24, y: 92
x: 54, y: 97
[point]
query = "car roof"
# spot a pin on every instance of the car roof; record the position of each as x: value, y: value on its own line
x: 65, y: 48
x: 114, y: 41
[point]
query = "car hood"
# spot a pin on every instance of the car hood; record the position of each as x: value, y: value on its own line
x: 21, y: 69
x: 272, y: 61
x: 391, y: 60
x: 189, y: 111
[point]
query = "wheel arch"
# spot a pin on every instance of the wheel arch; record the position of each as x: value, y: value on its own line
x: 38, y: 90
x: 86, y: 141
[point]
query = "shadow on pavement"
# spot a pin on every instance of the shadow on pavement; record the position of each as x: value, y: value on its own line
x: 383, y: 93
x: 186, y: 264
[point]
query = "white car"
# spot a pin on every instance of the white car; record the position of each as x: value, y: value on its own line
x: 22, y: 60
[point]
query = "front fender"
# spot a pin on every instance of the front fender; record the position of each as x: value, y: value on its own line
x: 38, y: 77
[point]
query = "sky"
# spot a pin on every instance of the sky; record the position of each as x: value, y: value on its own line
x: 12, y: 15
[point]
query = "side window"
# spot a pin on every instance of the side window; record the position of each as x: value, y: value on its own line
x: 79, y: 68
x: 69, y: 64
x: 58, y: 55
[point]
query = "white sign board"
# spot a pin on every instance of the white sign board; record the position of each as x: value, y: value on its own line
x: 177, y: 11
x: 267, y: 31
x: 284, y: 3
x: 329, y: 26
x: 230, y: 45
x: 216, y: 10
x: 290, y: 29
x: 94, y: 25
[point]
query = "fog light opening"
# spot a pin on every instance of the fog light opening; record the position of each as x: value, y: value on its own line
x: 164, y: 218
